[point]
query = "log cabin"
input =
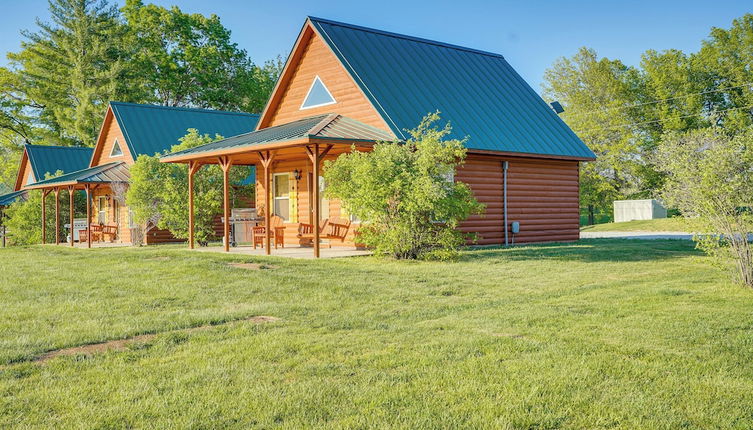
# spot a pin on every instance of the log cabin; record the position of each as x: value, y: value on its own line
x: 128, y: 131
x: 345, y: 85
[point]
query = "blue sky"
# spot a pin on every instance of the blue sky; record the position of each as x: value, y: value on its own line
x: 530, y: 34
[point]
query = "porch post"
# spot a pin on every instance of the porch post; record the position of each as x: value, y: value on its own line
x: 57, y: 216
x: 193, y: 167
x: 70, y: 202
x: 226, y: 163
x: 316, y: 200
x: 316, y: 158
x: 266, y: 158
x: 44, y: 216
x: 88, y: 217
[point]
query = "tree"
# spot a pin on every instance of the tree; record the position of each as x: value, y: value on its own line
x: 402, y: 193
x: 594, y: 92
x: 158, y: 192
x: 69, y: 70
x: 709, y: 176
x: 727, y: 56
x: 189, y: 60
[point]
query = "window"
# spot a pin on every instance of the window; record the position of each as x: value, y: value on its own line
x: 131, y: 220
x: 102, y: 210
x: 116, y: 151
x: 281, y: 193
x: 30, y: 180
x: 318, y: 95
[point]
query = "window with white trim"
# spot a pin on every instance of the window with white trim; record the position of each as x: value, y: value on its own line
x: 116, y: 150
x: 281, y: 194
x: 318, y: 95
x: 102, y: 210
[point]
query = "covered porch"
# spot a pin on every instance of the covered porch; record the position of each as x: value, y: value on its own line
x: 96, y: 181
x: 289, y: 198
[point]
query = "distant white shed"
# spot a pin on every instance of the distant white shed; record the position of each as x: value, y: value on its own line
x: 630, y: 210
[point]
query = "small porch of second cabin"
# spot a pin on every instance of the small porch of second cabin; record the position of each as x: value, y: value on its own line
x: 293, y: 215
x: 105, y: 222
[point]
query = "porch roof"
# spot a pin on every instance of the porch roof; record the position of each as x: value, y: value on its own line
x: 106, y: 173
x: 8, y: 199
x: 328, y: 127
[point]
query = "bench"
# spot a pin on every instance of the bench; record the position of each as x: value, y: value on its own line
x: 99, y: 231
x: 331, y: 230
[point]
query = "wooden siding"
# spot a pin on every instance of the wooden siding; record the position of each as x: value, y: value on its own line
x: 24, y: 175
x: 542, y: 195
x: 110, y: 131
x: 316, y: 59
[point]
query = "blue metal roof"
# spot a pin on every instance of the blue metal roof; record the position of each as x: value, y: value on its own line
x: 49, y: 159
x: 8, y: 199
x: 478, y: 92
x: 116, y: 171
x: 150, y: 129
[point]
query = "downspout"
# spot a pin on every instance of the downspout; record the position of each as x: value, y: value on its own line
x: 504, y: 191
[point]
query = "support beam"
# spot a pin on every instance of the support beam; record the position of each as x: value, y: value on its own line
x: 267, y: 157
x: 70, y: 203
x: 57, y: 216
x: 44, y: 215
x: 225, y: 163
x: 316, y: 156
x: 193, y: 167
x: 88, y: 216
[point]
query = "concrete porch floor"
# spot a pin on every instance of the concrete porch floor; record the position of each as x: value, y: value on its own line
x: 288, y: 252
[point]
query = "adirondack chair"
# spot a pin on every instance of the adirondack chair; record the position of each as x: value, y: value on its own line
x: 277, y: 233
x: 332, y: 229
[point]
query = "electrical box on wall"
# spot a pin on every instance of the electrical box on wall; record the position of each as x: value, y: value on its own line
x: 515, y: 227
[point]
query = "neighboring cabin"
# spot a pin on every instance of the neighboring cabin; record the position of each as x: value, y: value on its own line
x: 128, y: 131
x: 37, y: 161
x: 344, y: 84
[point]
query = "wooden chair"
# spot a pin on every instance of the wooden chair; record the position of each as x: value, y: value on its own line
x: 277, y: 234
x: 330, y: 230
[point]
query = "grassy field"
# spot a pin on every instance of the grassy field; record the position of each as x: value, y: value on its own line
x: 599, y: 334
x: 662, y: 224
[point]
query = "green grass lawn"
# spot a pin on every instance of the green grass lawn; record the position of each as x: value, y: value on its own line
x: 662, y: 224
x: 598, y: 334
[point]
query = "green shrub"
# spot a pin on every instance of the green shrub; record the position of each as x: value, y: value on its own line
x: 403, y: 193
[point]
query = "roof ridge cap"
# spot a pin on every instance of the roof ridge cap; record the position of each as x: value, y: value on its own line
x: 205, y: 110
x: 406, y: 37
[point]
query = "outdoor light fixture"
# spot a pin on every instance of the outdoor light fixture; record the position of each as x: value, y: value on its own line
x: 297, y: 174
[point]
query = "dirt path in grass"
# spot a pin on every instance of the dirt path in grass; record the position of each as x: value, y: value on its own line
x: 122, y: 344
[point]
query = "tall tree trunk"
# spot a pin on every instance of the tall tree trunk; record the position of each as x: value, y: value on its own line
x: 591, y: 220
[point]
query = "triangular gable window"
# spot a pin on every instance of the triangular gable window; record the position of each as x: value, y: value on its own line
x: 318, y: 95
x: 116, y: 151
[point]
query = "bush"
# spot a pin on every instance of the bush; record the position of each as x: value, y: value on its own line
x: 404, y: 194
x: 709, y: 177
